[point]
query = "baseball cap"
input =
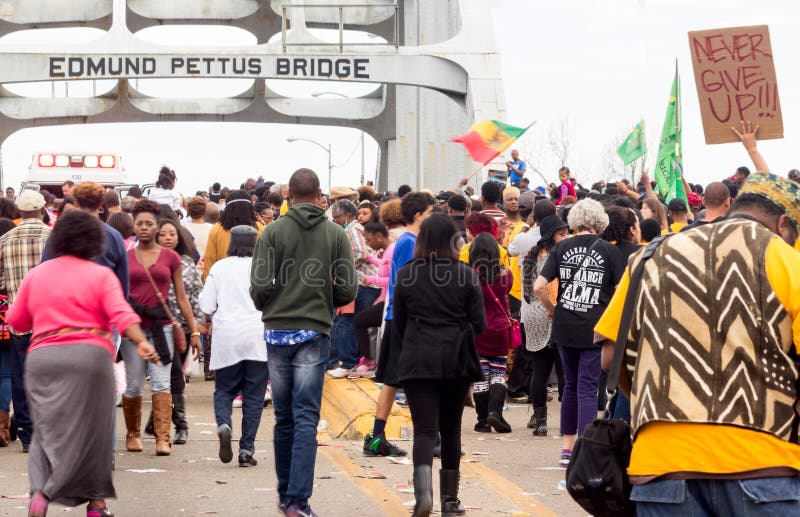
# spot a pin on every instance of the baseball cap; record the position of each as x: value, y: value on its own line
x: 30, y: 201
x: 445, y: 196
x: 526, y: 201
x: 541, y: 190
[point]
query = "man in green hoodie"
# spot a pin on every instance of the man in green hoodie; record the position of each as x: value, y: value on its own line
x: 303, y: 269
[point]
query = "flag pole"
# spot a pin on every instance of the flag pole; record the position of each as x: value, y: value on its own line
x: 475, y: 172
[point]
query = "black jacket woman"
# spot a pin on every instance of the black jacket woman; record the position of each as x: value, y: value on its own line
x: 438, y: 308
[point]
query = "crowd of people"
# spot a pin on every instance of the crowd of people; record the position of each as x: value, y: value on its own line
x: 448, y: 300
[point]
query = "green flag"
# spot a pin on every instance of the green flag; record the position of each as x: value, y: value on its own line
x: 633, y: 147
x: 669, y: 164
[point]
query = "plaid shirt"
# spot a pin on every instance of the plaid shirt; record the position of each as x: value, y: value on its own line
x: 20, y: 251
x: 355, y: 232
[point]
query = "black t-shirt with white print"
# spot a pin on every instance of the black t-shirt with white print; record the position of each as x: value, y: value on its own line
x: 584, y: 293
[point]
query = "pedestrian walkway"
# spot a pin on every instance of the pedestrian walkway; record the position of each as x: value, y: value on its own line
x: 348, y: 409
x: 510, y: 474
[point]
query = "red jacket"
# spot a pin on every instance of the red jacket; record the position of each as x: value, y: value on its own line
x: 493, y: 341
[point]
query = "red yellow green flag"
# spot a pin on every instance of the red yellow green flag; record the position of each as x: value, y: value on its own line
x: 488, y: 138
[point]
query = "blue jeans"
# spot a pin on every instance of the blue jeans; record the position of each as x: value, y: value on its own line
x: 19, y: 349
x: 708, y: 497
x: 622, y: 408
x: 137, y: 368
x: 342, y: 337
x: 5, y: 380
x: 297, y: 373
x: 250, y: 379
x: 343, y: 333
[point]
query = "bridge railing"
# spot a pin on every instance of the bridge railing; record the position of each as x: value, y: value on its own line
x: 285, y: 18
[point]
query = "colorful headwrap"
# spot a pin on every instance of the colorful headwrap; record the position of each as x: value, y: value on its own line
x: 781, y: 191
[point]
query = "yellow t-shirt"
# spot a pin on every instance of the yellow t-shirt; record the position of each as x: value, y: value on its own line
x: 516, y: 287
x: 217, y: 245
x: 284, y: 207
x: 664, y: 447
x: 463, y: 255
x: 797, y: 244
x: 676, y: 227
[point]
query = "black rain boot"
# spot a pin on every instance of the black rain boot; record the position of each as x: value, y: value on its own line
x: 148, y: 427
x: 179, y: 419
x: 497, y: 399
x: 482, y: 409
x: 448, y: 490
x: 539, y: 421
x: 423, y: 490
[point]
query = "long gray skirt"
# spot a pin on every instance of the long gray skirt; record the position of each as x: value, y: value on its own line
x: 70, y: 391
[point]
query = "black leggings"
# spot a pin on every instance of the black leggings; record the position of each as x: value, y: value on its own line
x: 543, y: 362
x: 363, y: 321
x: 437, y: 406
x: 177, y: 382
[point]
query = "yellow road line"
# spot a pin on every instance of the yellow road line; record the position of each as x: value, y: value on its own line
x: 390, y: 504
x: 526, y: 504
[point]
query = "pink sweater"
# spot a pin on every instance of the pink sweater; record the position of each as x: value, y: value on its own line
x: 89, y: 296
x: 384, y: 267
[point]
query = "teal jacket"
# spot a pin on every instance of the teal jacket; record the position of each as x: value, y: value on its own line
x: 303, y: 268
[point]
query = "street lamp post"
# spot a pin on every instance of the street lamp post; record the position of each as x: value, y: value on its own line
x: 321, y: 93
x: 326, y: 149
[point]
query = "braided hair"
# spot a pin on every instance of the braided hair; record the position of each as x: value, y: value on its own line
x: 529, y: 263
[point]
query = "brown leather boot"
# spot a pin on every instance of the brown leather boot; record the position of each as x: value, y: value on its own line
x: 162, y: 421
x: 132, y: 409
x: 5, y: 434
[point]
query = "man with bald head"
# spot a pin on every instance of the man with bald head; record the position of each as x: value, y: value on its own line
x: 717, y: 201
x: 212, y: 213
x: 303, y: 268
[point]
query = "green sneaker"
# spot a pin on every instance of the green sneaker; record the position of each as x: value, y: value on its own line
x: 380, y: 446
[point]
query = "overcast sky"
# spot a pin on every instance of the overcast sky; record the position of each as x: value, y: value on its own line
x: 598, y: 65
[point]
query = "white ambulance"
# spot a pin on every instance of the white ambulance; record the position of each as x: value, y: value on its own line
x: 49, y: 170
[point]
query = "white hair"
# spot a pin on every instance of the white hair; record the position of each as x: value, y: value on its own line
x: 587, y: 214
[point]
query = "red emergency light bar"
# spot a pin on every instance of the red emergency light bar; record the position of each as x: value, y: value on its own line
x: 90, y: 161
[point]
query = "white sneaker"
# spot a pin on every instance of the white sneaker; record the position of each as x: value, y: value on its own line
x: 339, y: 372
x: 237, y: 402
x: 268, y: 396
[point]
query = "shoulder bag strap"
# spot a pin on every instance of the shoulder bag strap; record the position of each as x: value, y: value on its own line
x: 627, y: 317
x: 497, y: 301
x: 156, y: 290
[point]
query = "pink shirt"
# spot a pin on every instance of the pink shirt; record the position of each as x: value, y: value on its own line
x: 89, y: 297
x: 384, y: 267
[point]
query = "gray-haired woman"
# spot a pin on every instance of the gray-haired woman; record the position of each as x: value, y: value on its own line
x: 588, y: 270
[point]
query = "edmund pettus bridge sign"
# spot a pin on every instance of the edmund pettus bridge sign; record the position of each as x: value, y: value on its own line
x: 433, y: 64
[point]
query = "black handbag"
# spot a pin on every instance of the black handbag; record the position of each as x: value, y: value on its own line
x: 597, y: 477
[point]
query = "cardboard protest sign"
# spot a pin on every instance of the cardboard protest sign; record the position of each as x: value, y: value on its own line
x: 735, y: 77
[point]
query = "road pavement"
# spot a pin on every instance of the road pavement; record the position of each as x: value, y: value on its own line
x: 509, y: 474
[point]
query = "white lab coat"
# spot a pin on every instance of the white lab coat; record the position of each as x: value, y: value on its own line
x: 237, y: 333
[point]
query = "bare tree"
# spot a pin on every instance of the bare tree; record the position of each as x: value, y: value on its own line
x: 613, y: 167
x: 530, y: 149
x: 560, y: 140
